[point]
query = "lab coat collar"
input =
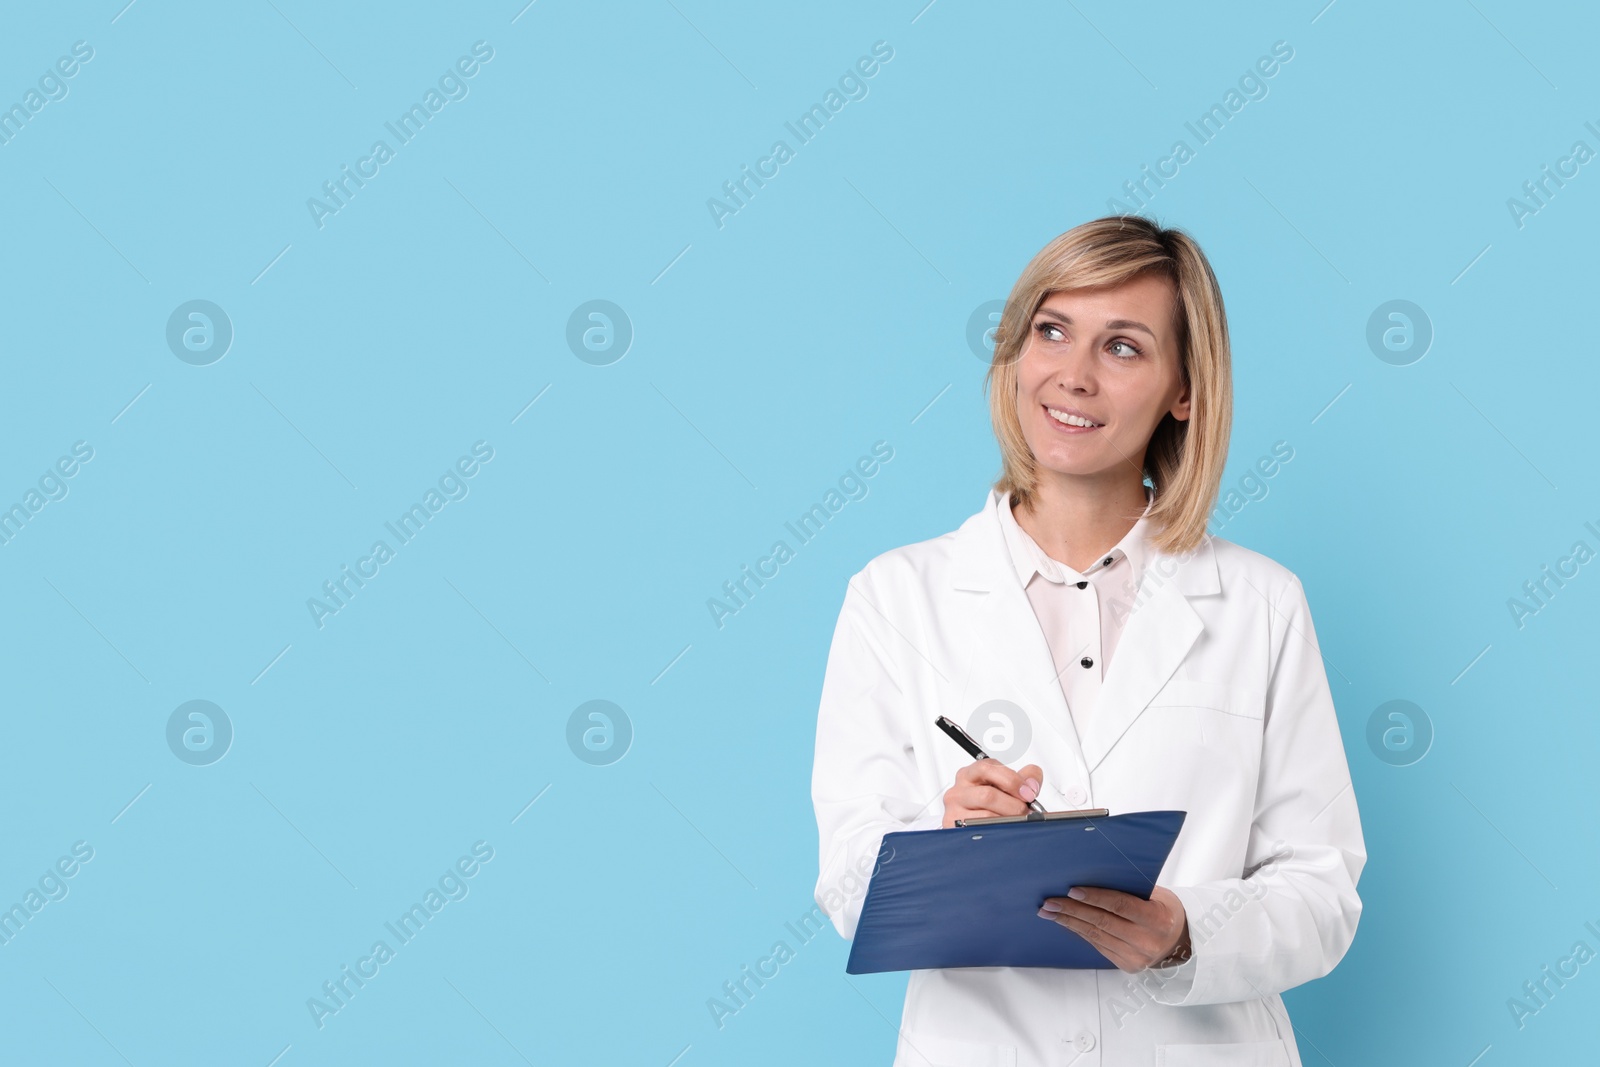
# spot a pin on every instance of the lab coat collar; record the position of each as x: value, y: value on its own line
x: 980, y: 559
x: 1030, y: 558
x: 1160, y: 629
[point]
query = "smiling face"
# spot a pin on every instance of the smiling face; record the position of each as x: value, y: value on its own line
x: 1106, y: 356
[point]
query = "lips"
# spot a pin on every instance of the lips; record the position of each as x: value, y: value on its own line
x: 1083, y: 416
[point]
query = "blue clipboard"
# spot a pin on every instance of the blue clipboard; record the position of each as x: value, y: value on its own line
x: 970, y: 896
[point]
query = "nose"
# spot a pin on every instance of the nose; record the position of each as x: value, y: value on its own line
x: 1075, y: 372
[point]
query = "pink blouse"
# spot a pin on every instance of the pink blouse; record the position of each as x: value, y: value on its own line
x: 1082, y: 615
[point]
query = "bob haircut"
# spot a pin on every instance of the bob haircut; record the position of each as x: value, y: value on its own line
x: 1185, y: 458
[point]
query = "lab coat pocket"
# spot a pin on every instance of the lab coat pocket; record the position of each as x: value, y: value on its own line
x: 1205, y: 733
x: 929, y: 1050
x: 1242, y: 1054
x: 1190, y: 693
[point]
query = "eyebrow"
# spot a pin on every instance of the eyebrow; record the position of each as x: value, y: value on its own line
x: 1111, y: 324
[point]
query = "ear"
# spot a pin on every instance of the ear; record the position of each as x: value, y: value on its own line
x: 1181, y: 407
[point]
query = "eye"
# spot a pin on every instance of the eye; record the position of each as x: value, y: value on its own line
x: 1044, y: 329
x: 1132, y: 348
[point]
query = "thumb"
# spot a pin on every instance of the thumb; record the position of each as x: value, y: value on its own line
x: 1032, y: 778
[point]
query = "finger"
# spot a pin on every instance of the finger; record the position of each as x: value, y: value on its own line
x: 1032, y: 778
x: 1028, y: 781
x: 1156, y: 922
x: 987, y: 797
x: 980, y: 802
x: 1138, y: 935
x: 986, y: 772
x: 1126, y: 957
x: 1113, y: 900
x: 962, y: 801
x: 993, y: 772
x: 966, y: 814
x: 1099, y: 918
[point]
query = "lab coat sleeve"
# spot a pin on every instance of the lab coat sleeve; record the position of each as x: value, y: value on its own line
x: 1292, y: 915
x: 864, y: 780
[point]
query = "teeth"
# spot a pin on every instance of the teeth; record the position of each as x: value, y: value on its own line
x: 1070, y: 420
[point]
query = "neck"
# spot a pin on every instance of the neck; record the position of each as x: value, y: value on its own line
x: 1076, y: 523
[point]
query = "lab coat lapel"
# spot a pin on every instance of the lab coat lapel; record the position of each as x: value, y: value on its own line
x: 1156, y: 637
x: 1010, y: 657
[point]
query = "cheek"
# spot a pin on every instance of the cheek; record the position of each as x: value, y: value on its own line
x: 1029, y: 377
x: 1140, y: 404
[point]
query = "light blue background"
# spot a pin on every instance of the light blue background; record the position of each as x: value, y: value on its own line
x: 769, y: 354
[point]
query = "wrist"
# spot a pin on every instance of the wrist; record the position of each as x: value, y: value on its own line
x: 1181, y: 951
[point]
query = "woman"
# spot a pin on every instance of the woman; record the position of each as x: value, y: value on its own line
x: 1111, y: 365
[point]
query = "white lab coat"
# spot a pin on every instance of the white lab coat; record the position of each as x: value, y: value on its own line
x: 1216, y: 703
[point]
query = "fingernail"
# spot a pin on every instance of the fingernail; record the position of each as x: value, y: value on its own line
x: 1030, y: 788
x: 1076, y: 894
x: 1050, y: 906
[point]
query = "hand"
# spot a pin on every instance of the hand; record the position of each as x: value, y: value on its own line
x: 1130, y: 932
x: 988, y: 788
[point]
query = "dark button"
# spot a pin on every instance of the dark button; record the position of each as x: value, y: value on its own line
x: 1107, y: 560
x: 1083, y: 585
x: 1087, y: 662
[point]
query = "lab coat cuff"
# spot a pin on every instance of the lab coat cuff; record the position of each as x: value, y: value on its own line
x: 1171, y: 984
x: 1177, y: 985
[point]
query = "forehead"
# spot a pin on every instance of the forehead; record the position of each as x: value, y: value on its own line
x: 1149, y: 299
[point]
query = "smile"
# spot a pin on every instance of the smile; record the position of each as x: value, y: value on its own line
x: 1071, y: 422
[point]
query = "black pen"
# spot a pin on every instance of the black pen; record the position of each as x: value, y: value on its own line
x: 962, y: 738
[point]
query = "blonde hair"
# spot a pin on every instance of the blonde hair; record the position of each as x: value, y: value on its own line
x: 1185, y: 458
